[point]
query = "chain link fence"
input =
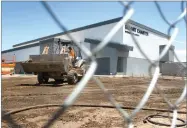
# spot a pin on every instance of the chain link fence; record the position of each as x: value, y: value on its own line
x: 127, y: 14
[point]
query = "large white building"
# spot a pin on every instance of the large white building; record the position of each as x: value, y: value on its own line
x: 120, y: 56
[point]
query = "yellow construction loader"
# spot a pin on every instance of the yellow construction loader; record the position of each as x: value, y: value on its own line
x: 61, y: 67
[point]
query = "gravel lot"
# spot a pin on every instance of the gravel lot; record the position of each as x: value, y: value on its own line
x: 19, y: 92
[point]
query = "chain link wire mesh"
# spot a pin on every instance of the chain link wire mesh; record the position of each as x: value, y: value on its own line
x: 128, y: 117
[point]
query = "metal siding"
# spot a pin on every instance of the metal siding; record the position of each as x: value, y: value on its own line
x: 95, y: 33
x: 124, y: 66
x: 120, y: 64
x: 105, y: 52
x: 171, y: 56
x: 137, y: 67
x: 111, y: 44
x: 103, y: 66
x: 173, y: 69
x: 23, y: 54
x: 149, y: 44
x: 108, y: 52
x: 87, y: 45
x: 164, y: 58
x: 100, y: 32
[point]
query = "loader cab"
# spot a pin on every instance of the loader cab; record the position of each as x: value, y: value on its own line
x: 64, y: 48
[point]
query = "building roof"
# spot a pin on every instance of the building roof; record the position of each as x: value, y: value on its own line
x: 91, y: 26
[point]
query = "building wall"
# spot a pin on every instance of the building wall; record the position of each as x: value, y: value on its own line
x: 169, y: 56
x: 108, y: 52
x: 26, y: 44
x: 23, y: 54
x: 137, y: 67
x: 103, y: 67
x: 95, y: 33
x: 113, y: 54
x: 173, y: 69
x: 88, y: 46
x: 134, y: 66
x: 122, y: 55
x: 98, y: 33
x: 134, y: 62
x: 149, y: 44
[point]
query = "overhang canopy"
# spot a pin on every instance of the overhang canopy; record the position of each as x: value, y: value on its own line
x: 112, y: 44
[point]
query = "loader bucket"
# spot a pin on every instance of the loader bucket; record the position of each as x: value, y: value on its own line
x: 46, y: 63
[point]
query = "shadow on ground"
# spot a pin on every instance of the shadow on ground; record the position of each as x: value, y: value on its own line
x: 49, y: 84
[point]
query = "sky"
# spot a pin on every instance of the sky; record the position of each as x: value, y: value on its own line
x: 24, y: 21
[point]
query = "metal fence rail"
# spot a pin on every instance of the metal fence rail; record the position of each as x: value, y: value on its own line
x: 128, y: 117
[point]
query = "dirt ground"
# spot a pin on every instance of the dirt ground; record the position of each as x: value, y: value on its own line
x: 19, y: 92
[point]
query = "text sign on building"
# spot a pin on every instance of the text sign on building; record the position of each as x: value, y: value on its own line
x: 136, y: 30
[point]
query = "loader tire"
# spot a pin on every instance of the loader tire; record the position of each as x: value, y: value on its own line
x: 46, y: 79
x: 40, y: 78
x: 72, y: 77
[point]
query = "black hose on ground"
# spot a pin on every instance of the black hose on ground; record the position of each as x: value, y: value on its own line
x: 98, y: 106
x: 184, y: 123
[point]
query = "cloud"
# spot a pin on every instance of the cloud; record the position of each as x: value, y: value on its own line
x: 181, y: 55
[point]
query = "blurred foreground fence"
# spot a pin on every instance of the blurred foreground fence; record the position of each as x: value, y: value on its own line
x: 128, y: 117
